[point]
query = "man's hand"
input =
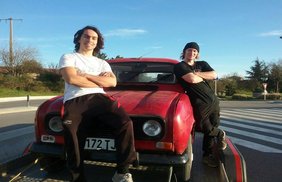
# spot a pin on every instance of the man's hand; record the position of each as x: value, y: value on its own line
x: 104, y: 79
x: 105, y: 74
x: 208, y: 75
x: 77, y: 78
x: 192, y: 78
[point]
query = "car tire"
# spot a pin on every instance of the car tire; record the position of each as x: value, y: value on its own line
x: 183, y: 172
x: 51, y: 164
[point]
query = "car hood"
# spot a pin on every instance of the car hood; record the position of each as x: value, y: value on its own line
x: 146, y: 102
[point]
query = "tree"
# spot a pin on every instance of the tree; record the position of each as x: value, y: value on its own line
x: 102, y: 55
x: 229, y: 84
x: 258, y: 74
x: 29, y: 66
x: 117, y: 57
x: 20, y: 55
x: 275, y: 76
x: 259, y: 71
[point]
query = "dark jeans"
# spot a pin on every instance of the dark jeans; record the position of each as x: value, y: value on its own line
x: 80, y: 112
x: 208, y: 116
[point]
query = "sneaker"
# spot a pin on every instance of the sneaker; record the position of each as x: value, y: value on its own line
x: 210, y: 160
x: 127, y: 177
x: 221, y: 140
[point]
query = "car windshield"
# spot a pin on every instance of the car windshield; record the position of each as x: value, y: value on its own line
x: 144, y: 72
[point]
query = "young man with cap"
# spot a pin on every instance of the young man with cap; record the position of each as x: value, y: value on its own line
x: 192, y: 75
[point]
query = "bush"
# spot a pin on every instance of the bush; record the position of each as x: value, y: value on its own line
x: 271, y: 96
x: 50, y: 82
x: 230, y: 90
x: 244, y: 92
x: 258, y: 90
x: 241, y: 97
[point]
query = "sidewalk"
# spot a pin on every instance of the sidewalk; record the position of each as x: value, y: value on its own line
x: 22, y: 108
x: 10, y: 99
x: 17, y: 109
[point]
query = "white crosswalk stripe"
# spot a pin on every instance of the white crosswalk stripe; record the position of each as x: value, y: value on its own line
x: 255, y: 146
x: 257, y: 129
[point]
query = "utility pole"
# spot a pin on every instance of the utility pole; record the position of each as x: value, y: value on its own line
x: 11, y: 56
x: 215, y: 86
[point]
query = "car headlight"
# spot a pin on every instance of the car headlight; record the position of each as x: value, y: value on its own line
x: 56, y: 124
x: 152, y: 128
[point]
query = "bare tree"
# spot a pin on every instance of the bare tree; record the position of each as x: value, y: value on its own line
x: 20, y: 55
x: 54, y: 68
x: 29, y: 66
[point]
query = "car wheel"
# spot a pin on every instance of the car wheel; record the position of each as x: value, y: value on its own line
x: 183, y: 172
x: 51, y: 164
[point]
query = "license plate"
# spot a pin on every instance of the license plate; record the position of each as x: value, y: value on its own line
x: 100, y: 144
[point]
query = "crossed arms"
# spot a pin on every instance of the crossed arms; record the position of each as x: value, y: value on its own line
x: 197, y: 77
x: 72, y: 76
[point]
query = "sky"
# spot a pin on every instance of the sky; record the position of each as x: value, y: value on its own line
x: 231, y: 34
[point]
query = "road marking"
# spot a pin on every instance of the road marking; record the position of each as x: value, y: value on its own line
x: 254, y: 146
x: 253, y: 135
x: 258, y: 116
x: 257, y: 129
x: 253, y: 127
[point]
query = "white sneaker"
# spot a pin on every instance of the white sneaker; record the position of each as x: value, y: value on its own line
x: 122, y: 177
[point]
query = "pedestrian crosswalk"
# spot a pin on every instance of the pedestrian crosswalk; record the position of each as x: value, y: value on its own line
x: 258, y: 129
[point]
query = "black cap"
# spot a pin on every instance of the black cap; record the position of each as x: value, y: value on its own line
x: 192, y: 45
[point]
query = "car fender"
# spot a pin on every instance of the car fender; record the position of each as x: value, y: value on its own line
x: 183, y: 123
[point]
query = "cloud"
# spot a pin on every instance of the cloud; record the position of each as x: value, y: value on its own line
x: 271, y: 33
x: 125, y: 32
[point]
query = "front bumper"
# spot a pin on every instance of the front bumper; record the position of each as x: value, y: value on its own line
x: 53, y: 150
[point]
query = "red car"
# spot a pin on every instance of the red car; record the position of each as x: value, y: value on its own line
x: 160, y: 110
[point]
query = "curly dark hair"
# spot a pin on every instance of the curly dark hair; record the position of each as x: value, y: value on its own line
x: 100, y: 42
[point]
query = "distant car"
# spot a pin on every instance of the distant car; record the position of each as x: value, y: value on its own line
x: 160, y: 110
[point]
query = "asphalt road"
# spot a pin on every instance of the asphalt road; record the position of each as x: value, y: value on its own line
x: 16, y: 126
x: 250, y: 104
x: 261, y: 166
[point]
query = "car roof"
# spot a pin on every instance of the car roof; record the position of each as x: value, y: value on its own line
x: 162, y: 60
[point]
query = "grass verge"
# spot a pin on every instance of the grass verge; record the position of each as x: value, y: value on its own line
x: 5, y: 92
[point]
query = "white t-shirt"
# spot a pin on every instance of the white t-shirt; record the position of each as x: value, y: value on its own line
x: 90, y: 65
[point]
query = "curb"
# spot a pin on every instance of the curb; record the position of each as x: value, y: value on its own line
x: 10, y: 99
x: 17, y: 109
